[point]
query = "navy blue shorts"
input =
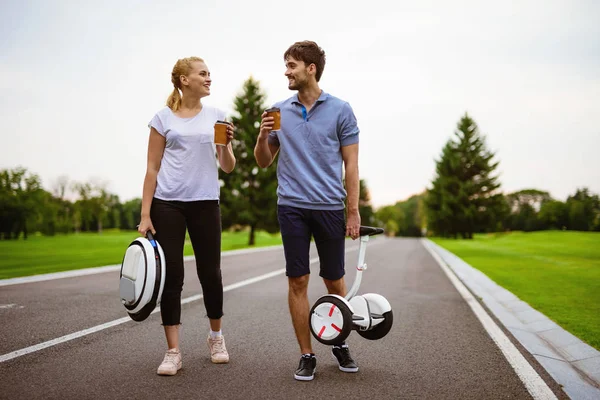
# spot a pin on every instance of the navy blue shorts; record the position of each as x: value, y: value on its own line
x: 328, y: 227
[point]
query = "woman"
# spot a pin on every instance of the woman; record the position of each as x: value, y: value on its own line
x: 181, y: 190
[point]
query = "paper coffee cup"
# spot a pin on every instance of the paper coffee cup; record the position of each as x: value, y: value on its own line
x: 276, y: 114
x: 221, y: 133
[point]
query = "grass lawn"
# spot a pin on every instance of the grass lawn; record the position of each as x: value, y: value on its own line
x: 556, y: 272
x: 43, y: 254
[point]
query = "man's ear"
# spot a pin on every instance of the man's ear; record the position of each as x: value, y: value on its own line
x: 312, y: 68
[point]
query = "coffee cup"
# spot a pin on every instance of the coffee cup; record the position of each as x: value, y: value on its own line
x: 221, y: 133
x: 276, y: 114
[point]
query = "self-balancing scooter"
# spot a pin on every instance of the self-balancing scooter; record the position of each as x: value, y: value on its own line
x: 333, y: 317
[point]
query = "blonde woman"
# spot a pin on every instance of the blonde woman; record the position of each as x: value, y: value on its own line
x: 181, y: 190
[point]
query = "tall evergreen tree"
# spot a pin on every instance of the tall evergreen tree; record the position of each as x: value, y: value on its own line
x: 249, y: 193
x: 464, y: 197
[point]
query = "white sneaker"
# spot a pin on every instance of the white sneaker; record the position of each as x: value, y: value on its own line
x: 171, y: 364
x: 218, y: 351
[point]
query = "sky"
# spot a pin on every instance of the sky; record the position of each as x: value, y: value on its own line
x: 80, y: 80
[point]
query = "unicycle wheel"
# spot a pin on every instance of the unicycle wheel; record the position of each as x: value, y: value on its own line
x: 330, y: 320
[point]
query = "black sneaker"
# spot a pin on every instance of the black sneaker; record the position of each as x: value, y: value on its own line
x: 342, y: 355
x: 307, y: 368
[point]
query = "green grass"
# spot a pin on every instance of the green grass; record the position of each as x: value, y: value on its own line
x: 556, y: 272
x: 43, y: 254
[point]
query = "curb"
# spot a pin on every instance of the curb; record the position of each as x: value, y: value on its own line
x: 572, y: 363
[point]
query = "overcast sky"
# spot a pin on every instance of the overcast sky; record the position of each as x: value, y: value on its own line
x: 79, y: 81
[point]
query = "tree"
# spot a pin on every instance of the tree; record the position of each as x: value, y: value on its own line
x: 21, y: 202
x: 407, y: 217
x: 364, y: 204
x: 524, y: 206
x: 391, y: 228
x: 130, y: 214
x: 411, y: 225
x: 534, y: 197
x: 525, y: 219
x: 60, y: 187
x: 390, y: 218
x: 93, y: 204
x: 464, y: 197
x: 584, y: 211
x: 554, y: 214
x: 249, y: 193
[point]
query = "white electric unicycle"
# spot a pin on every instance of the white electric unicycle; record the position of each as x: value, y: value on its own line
x: 333, y: 317
x: 142, y: 278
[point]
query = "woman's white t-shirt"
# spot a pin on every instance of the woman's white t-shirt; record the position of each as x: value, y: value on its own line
x: 188, y: 169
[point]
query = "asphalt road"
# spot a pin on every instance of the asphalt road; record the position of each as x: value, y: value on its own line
x: 437, y: 348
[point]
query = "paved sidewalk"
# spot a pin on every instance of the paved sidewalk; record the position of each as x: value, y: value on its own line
x: 572, y: 363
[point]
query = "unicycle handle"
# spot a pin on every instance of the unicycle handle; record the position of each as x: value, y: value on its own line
x: 151, y: 239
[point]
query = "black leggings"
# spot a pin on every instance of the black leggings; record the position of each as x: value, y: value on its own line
x: 203, y: 222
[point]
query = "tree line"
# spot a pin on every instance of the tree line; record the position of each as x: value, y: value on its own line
x: 464, y: 198
x: 25, y: 207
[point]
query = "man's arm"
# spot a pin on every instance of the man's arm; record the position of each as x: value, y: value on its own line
x: 264, y: 152
x: 350, y: 157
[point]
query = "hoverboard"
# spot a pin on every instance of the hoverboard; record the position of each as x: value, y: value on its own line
x: 332, y: 318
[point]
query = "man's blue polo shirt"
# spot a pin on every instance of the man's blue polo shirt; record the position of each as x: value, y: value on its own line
x: 310, y: 165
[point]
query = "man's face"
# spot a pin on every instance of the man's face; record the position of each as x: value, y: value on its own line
x: 297, y: 73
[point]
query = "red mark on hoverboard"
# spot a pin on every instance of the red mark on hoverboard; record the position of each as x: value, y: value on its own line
x: 331, y: 310
x: 334, y: 326
x: 321, y: 331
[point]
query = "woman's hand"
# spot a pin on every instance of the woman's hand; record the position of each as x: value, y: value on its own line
x: 145, y: 226
x: 230, y: 132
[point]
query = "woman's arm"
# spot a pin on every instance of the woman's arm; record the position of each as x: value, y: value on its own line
x: 225, y: 153
x: 156, y: 148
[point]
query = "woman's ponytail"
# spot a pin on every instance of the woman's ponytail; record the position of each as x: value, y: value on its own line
x: 174, y: 100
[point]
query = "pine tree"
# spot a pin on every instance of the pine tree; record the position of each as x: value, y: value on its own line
x: 464, y: 197
x: 249, y: 193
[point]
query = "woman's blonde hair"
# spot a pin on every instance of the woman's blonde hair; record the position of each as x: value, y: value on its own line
x: 182, y: 67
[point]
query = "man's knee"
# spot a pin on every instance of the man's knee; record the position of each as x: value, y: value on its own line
x: 298, y: 284
x: 337, y: 286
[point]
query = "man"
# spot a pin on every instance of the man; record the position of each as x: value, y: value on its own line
x: 318, y: 136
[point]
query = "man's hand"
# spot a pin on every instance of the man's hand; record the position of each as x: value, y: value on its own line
x: 266, y: 126
x: 353, y: 224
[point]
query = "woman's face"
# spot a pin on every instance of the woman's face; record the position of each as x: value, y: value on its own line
x: 198, y: 80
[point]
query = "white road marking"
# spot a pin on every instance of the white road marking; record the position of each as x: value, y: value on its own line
x: 111, y: 268
x: 533, y: 382
x: 75, y: 335
x: 10, y: 306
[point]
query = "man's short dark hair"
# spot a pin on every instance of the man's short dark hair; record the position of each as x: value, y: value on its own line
x: 308, y: 52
